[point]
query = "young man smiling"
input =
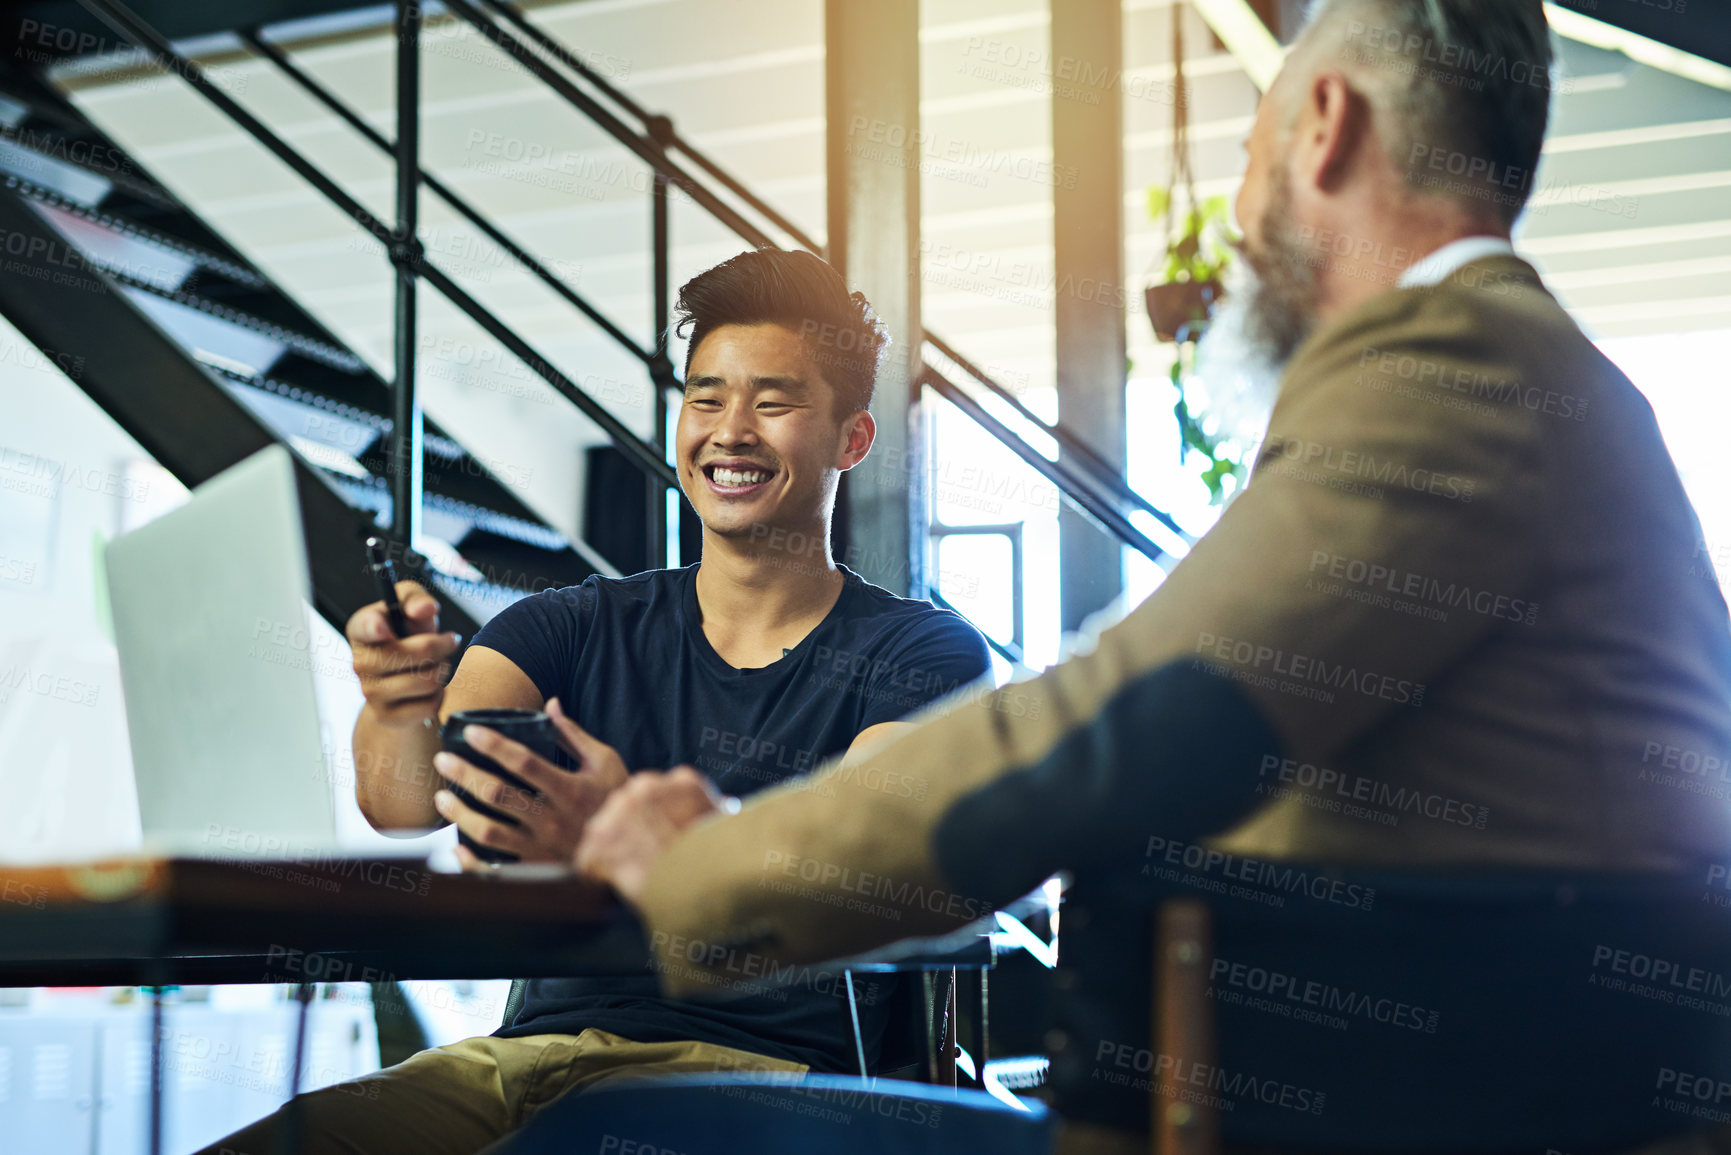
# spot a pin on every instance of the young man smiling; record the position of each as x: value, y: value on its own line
x: 758, y: 663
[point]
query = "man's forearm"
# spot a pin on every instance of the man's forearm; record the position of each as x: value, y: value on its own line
x: 394, y: 776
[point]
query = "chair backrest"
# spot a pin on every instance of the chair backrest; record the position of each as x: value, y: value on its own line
x: 922, y: 1028
x: 1366, y: 1010
x: 514, y: 1001
x: 919, y: 1025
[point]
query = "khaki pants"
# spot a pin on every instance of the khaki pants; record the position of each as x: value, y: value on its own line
x: 457, y: 1100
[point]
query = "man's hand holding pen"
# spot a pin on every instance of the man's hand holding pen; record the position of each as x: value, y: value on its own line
x: 402, y: 678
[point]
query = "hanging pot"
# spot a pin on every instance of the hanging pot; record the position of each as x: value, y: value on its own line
x: 1181, y: 308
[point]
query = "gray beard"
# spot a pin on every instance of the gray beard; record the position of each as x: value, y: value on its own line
x: 1238, y: 368
x: 1262, y: 319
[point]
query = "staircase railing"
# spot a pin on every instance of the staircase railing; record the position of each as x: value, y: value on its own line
x: 1086, y: 479
x: 1081, y: 475
x: 406, y: 249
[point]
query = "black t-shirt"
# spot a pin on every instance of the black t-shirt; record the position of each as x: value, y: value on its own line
x: 628, y: 660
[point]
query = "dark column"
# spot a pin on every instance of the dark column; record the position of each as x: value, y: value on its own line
x: 661, y: 369
x: 405, y: 403
x: 1088, y: 252
x: 873, y: 96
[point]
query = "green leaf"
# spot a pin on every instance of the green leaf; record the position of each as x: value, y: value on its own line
x: 1158, y: 199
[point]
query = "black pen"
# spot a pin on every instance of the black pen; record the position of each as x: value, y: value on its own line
x: 385, y: 574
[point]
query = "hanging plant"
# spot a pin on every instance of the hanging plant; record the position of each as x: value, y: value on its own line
x: 1196, y: 256
x: 1198, y: 249
x: 1222, y: 453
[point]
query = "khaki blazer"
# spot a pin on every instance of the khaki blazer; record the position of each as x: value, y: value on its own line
x: 1464, y: 589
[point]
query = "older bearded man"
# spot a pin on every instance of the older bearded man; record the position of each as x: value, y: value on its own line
x: 1462, y: 572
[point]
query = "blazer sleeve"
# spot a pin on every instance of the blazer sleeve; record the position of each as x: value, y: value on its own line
x: 1264, y: 641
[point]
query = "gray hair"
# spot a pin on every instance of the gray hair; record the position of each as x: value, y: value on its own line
x: 1463, y: 87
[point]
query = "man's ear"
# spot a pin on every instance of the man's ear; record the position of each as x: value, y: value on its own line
x: 859, y: 433
x: 1333, y: 126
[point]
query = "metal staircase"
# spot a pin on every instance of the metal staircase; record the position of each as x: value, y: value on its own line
x: 203, y: 360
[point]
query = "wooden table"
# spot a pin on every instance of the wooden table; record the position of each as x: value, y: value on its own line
x: 157, y: 921
x: 160, y: 921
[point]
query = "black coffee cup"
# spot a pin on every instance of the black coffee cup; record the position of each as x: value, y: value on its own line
x: 531, y: 728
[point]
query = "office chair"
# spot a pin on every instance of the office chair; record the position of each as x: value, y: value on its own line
x: 1464, y: 1011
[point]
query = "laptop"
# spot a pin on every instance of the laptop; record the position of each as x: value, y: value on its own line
x: 211, y: 618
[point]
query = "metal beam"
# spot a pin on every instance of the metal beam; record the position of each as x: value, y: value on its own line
x: 1641, y: 49
x: 872, y: 60
x: 1245, y: 36
x: 406, y: 425
x: 661, y: 373
x: 1088, y: 256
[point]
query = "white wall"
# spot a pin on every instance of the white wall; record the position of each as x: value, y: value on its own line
x: 65, y: 771
x: 71, y: 479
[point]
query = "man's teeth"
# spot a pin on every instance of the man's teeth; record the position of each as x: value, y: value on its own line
x: 725, y: 476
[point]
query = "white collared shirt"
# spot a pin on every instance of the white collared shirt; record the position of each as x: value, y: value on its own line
x: 1441, y: 264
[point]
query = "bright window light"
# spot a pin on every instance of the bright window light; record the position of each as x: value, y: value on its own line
x: 1683, y: 377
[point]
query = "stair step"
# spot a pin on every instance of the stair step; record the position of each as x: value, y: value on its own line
x: 115, y: 253
x: 88, y: 156
x: 298, y: 381
x: 375, y: 495
x: 312, y: 348
x: 302, y: 395
x: 358, y: 435
x: 309, y: 416
x: 230, y: 270
x: 482, y: 600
